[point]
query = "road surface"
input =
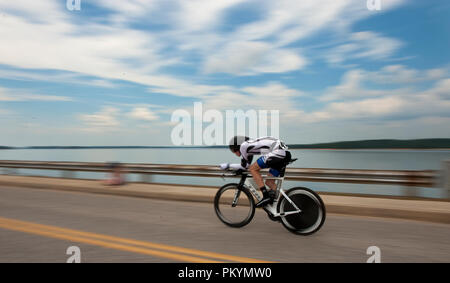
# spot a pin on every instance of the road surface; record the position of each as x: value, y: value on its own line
x: 39, y: 225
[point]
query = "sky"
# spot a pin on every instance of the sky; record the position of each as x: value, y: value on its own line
x: 114, y: 72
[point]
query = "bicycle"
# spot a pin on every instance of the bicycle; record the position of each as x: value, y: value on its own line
x: 299, y: 209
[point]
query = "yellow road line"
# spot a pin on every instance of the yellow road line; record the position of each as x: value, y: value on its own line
x: 106, y: 244
x: 165, y: 251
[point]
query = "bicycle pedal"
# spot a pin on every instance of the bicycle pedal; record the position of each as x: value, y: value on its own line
x: 273, y: 218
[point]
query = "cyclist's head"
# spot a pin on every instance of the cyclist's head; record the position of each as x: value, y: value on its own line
x: 235, y: 143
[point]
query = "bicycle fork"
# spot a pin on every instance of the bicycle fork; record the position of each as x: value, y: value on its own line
x: 236, y: 198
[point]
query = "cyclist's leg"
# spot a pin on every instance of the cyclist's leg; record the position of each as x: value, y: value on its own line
x: 270, y: 192
x: 276, y: 161
x: 271, y: 183
x: 255, y: 170
x: 256, y: 174
x: 265, y: 161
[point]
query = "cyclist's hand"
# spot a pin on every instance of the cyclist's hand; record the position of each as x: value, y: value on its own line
x: 225, y: 166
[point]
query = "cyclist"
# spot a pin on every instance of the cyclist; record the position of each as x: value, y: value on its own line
x: 274, y: 155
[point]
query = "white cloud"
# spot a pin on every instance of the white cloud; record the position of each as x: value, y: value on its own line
x: 353, y: 82
x: 272, y: 90
x: 142, y: 113
x: 58, y: 77
x: 133, y: 8
x: 363, y: 45
x: 399, y: 74
x: 435, y: 74
x: 260, y: 46
x: 34, y: 10
x: 112, y: 118
x: 251, y: 57
x: 440, y: 90
x: 367, y: 108
x: 98, y: 50
x: 271, y: 96
x: 396, y: 74
x: 107, y: 117
x: 374, y: 45
x: 351, y: 100
x: 200, y: 15
x: 115, y: 50
x: 352, y: 87
x: 15, y: 95
x: 289, y: 21
x: 188, y: 16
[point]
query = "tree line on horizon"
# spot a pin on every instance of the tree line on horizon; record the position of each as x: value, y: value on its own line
x: 360, y: 144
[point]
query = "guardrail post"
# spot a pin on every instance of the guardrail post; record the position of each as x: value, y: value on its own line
x: 445, y: 177
x: 146, y: 178
x: 410, y: 191
x: 68, y: 174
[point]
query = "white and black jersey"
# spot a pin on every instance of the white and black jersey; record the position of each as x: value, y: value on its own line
x: 269, y: 147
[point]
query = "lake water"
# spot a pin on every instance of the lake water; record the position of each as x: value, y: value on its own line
x: 340, y: 159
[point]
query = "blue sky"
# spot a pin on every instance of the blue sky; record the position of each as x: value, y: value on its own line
x: 113, y: 72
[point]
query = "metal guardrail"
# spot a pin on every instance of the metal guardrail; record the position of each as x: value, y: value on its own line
x: 408, y: 178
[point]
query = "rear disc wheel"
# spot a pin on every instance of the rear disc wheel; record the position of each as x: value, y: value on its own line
x: 312, y: 215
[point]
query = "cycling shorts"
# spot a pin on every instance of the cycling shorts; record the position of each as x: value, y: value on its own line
x: 276, y: 161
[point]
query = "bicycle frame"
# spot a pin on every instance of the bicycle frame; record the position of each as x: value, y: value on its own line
x: 271, y: 208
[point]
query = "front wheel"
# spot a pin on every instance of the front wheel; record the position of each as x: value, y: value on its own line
x: 235, y: 207
x: 312, y: 215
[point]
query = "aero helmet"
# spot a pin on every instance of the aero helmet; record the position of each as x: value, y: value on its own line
x: 236, y: 141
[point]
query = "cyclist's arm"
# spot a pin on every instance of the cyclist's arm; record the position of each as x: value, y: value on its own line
x: 236, y: 167
x: 246, y: 157
x: 245, y: 164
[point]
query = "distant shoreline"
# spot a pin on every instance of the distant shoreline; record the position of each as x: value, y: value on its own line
x: 418, y: 144
x: 85, y: 148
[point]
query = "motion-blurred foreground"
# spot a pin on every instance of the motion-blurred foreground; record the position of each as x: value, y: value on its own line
x: 42, y: 217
